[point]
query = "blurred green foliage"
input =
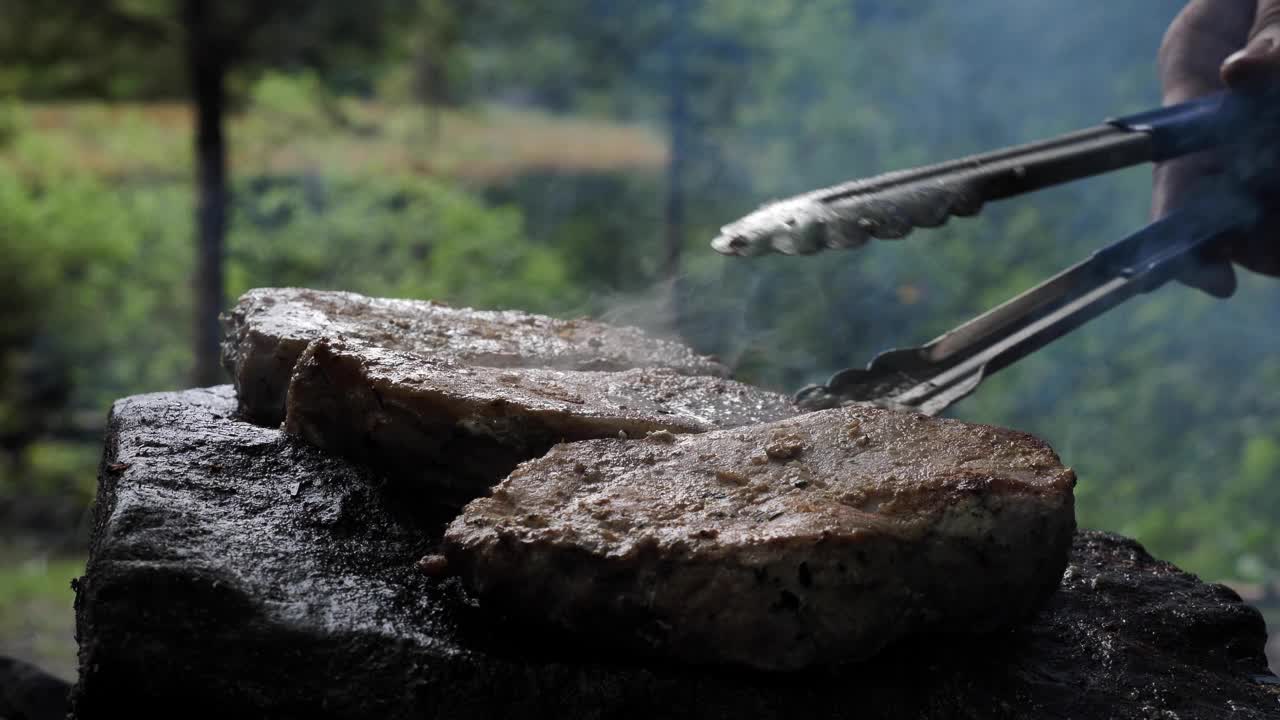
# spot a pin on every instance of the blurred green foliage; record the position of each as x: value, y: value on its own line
x: 35, y: 608
x: 404, y: 237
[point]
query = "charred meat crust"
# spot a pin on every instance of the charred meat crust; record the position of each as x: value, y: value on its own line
x: 863, y: 526
x: 268, y: 329
x: 414, y: 417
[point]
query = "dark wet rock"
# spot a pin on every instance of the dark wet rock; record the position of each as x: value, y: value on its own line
x: 236, y: 571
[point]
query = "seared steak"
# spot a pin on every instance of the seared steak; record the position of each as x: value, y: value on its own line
x: 450, y: 424
x: 267, y: 330
x: 815, y: 539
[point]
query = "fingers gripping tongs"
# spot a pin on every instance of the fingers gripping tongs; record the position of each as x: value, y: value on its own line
x: 931, y: 377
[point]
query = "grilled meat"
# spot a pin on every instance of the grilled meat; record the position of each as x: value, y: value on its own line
x: 464, y: 427
x: 267, y: 330
x: 815, y: 539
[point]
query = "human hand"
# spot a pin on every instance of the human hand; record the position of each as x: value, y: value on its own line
x: 1211, y: 45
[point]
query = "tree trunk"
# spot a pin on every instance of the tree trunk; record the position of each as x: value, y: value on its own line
x: 207, y: 64
x: 678, y: 150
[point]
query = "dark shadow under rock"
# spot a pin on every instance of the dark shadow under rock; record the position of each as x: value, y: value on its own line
x: 237, y: 571
x: 29, y: 693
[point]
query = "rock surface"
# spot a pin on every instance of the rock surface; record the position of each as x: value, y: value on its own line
x: 268, y: 329
x: 437, y: 423
x: 815, y: 539
x: 235, y: 571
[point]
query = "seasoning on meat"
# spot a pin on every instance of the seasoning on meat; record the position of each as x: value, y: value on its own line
x: 465, y: 428
x: 268, y: 329
x: 816, y: 539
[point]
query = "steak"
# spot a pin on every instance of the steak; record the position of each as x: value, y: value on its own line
x: 465, y: 428
x: 817, y: 539
x: 268, y: 329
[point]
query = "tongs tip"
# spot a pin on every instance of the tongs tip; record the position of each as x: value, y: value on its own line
x: 796, y: 226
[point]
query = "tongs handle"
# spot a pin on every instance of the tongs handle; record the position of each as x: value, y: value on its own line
x: 932, y: 377
x: 1140, y: 263
x: 1221, y: 118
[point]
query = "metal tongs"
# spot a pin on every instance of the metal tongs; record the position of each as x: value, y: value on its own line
x: 933, y: 376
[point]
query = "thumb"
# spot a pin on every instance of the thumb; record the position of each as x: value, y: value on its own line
x: 1258, y: 62
x: 1211, y: 271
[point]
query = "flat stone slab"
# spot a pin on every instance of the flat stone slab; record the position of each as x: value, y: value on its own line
x: 235, y: 571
